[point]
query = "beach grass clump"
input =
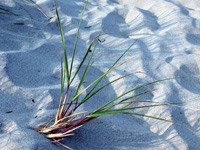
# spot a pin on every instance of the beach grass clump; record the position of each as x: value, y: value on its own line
x: 68, y: 117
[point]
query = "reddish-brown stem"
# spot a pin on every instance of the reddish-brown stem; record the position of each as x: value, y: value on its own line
x: 78, y: 122
x: 68, y: 107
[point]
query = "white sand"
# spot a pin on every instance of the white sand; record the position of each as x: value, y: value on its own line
x: 167, y: 35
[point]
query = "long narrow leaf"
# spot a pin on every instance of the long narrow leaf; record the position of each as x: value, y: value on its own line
x: 85, y: 72
x: 107, y: 107
x: 95, y: 81
x: 121, y: 110
x: 147, y: 116
x: 64, y: 45
x: 130, y: 91
x: 82, y: 61
x: 106, y: 73
x: 76, y: 40
x: 89, y: 95
x: 96, y: 84
x: 62, y: 76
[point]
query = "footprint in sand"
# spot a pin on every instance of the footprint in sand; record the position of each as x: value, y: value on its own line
x: 193, y: 38
x: 189, y: 75
x: 149, y: 19
x: 114, y: 24
x: 73, y: 8
x: 182, y: 8
x: 169, y: 59
x: 120, y: 25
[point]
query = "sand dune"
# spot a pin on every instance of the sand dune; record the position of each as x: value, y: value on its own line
x: 166, y: 34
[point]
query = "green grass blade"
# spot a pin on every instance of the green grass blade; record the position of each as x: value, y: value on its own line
x: 155, y: 102
x: 121, y: 110
x: 162, y: 119
x: 96, y: 84
x: 106, y: 73
x: 95, y: 81
x: 76, y: 40
x: 130, y: 91
x: 139, y: 107
x: 99, y: 80
x: 107, y: 106
x: 110, y: 112
x: 89, y: 95
x: 62, y: 77
x: 64, y: 46
x: 85, y: 71
x: 82, y: 61
x: 122, y: 55
x: 147, y: 116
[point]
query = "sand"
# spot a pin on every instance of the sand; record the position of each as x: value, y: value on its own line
x: 166, y: 34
